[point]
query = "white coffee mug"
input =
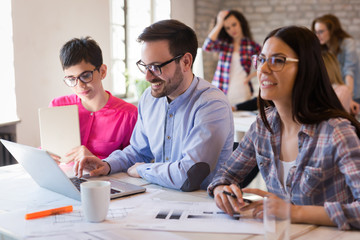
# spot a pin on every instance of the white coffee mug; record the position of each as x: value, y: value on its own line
x: 95, y: 200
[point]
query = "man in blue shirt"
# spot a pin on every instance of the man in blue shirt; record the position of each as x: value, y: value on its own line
x: 184, y: 131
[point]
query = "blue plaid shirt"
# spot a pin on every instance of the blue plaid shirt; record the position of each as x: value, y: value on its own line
x: 326, y: 173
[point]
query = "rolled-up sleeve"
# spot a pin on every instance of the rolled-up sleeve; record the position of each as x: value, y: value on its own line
x: 211, y: 45
x: 346, y: 215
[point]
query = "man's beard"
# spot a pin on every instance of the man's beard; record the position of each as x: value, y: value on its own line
x: 168, y: 87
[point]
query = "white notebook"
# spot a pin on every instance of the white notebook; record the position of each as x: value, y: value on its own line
x: 59, y: 130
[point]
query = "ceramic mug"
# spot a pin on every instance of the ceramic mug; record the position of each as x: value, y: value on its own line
x: 95, y: 200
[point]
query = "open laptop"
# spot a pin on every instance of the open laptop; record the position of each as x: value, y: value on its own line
x: 59, y: 130
x: 45, y: 171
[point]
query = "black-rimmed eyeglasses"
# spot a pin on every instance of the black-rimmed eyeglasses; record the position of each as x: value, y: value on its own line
x: 84, y: 77
x: 275, y: 63
x: 155, y: 69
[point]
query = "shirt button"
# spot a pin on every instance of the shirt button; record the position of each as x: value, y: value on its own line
x: 168, y: 137
x: 307, y: 177
x: 167, y: 159
x: 171, y: 115
x: 261, y: 164
x: 91, y: 113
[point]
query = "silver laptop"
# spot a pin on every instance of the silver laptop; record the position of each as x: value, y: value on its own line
x: 45, y: 171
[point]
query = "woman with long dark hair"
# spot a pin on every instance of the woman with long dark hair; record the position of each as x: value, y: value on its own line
x: 303, y: 141
x: 232, y: 39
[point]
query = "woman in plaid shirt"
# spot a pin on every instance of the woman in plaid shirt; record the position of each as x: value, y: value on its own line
x: 303, y: 141
x: 232, y: 38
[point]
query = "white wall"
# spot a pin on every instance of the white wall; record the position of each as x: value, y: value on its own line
x: 41, y: 27
x: 184, y: 11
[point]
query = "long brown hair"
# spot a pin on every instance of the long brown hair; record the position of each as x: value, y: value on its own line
x: 313, y: 98
x: 337, y: 34
x: 333, y: 67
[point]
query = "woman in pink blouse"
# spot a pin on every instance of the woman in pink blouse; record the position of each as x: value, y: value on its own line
x: 106, y: 122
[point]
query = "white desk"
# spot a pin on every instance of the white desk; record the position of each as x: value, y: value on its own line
x: 243, y: 120
x: 242, y: 123
x: 19, y: 191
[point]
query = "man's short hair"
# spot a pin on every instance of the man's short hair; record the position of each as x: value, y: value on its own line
x: 81, y: 49
x: 182, y: 39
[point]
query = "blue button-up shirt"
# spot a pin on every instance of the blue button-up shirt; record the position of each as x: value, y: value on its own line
x: 327, y: 171
x: 182, y: 142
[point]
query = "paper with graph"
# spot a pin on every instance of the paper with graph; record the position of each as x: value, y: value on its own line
x: 190, y: 217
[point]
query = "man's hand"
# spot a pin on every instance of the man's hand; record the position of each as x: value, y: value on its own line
x: 85, y: 160
x: 132, y: 170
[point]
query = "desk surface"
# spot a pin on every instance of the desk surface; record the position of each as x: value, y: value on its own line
x: 22, y: 192
x: 243, y: 120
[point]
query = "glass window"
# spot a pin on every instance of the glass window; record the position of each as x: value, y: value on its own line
x: 7, y: 82
x: 129, y: 18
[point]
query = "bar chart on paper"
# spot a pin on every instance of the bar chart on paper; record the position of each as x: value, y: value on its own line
x: 190, y: 217
x: 177, y: 214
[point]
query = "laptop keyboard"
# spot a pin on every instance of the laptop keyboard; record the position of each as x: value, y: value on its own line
x: 112, y: 191
x: 77, y: 181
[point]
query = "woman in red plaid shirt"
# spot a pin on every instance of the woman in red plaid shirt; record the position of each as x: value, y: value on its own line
x: 232, y: 38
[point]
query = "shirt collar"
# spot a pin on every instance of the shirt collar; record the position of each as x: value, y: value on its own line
x: 308, y: 129
x: 186, y: 94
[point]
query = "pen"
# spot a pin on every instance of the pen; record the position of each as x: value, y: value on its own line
x: 234, y: 196
x: 49, y: 212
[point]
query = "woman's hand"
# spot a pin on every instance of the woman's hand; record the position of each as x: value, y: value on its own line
x: 275, y: 207
x: 221, y: 17
x: 56, y: 158
x: 227, y: 203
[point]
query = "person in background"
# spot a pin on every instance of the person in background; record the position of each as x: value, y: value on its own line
x: 336, y: 40
x: 305, y: 144
x: 185, y: 128
x: 248, y: 105
x: 232, y: 39
x: 106, y: 122
x: 333, y: 69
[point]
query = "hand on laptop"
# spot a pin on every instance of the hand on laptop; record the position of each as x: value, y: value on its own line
x: 85, y: 160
